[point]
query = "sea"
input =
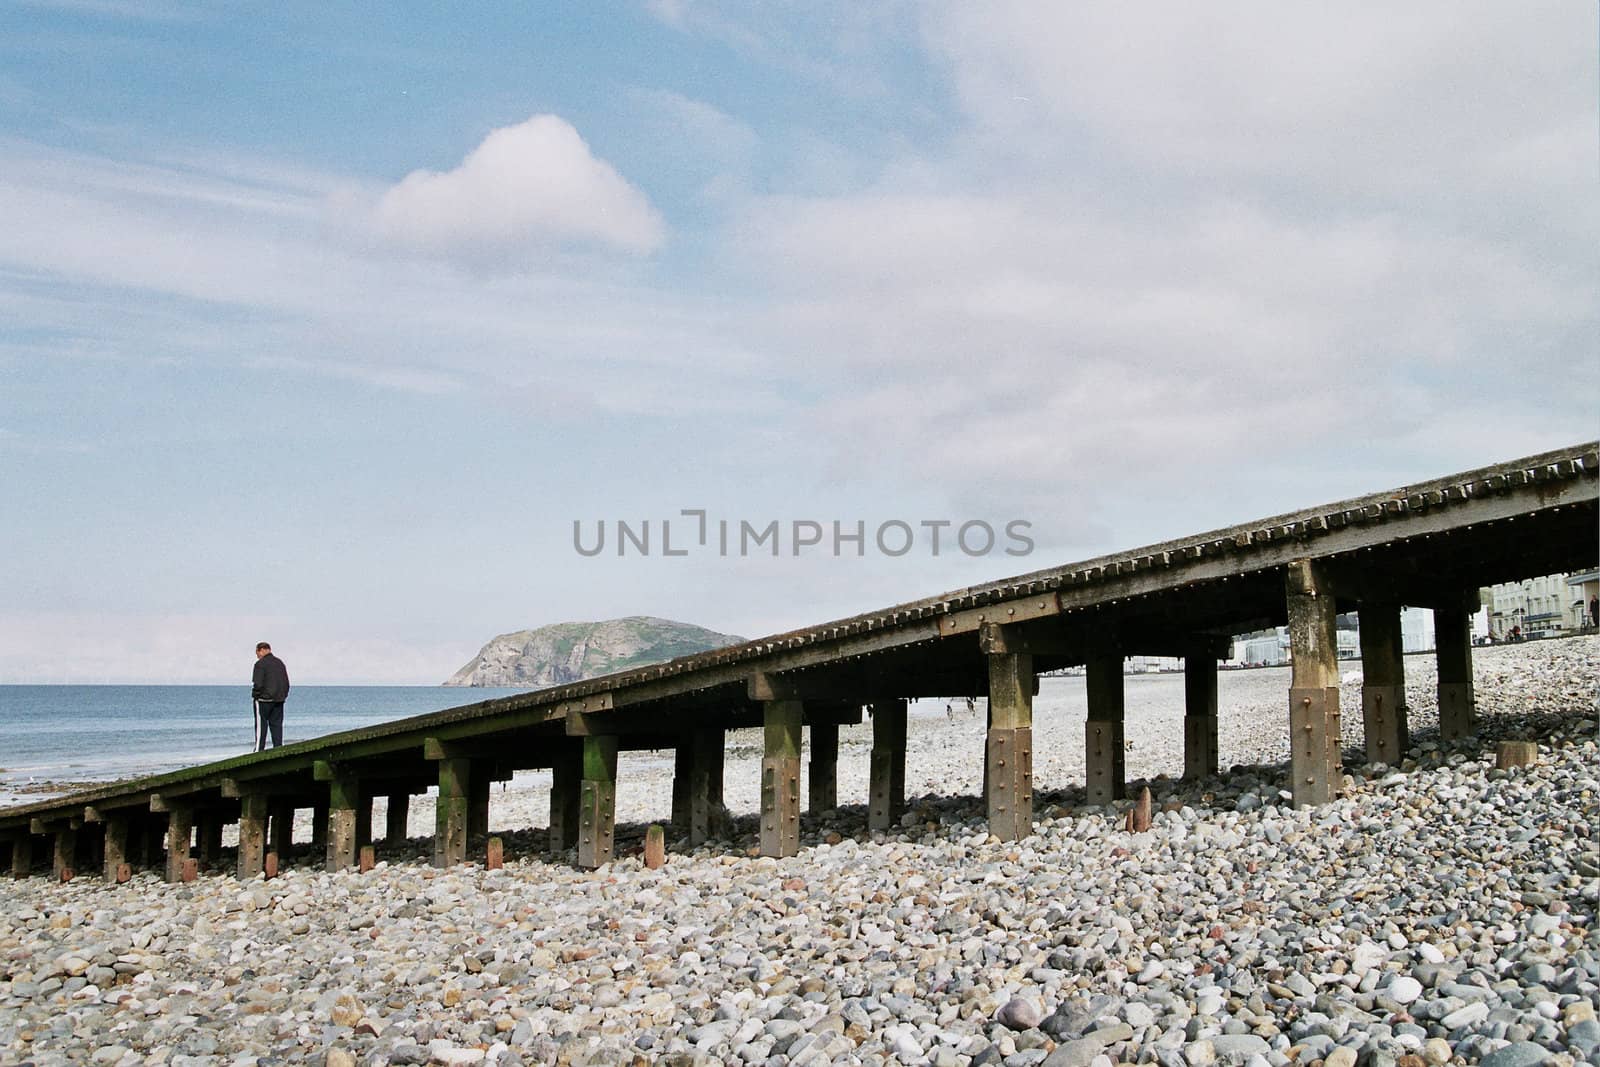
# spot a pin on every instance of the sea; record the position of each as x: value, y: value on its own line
x: 55, y: 735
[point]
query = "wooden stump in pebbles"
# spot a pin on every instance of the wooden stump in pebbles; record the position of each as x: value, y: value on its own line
x: 1138, y: 820
x: 1510, y: 754
x: 124, y: 872
x: 66, y: 874
x: 369, y: 858
x: 496, y: 857
x: 270, y: 865
x: 655, y: 847
x: 191, y: 869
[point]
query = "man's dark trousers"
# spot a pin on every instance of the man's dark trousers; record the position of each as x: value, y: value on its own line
x: 269, y: 719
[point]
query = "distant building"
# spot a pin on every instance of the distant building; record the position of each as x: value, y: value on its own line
x: 1534, y: 607
x: 1416, y: 629
x: 1581, y: 589
x: 1416, y: 632
x: 1271, y: 647
x: 1264, y: 648
x: 1152, y: 665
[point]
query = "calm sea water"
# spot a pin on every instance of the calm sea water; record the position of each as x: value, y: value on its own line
x: 82, y: 733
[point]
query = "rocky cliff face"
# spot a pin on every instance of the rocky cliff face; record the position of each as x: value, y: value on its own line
x: 572, y: 651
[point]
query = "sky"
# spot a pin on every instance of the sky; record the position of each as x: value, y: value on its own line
x: 343, y: 327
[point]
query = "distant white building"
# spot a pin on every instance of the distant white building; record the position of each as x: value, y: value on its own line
x: 1271, y: 647
x: 1534, y: 607
x: 1416, y: 629
x: 1265, y: 648
x: 1582, y: 590
x: 1416, y: 633
x: 1152, y: 664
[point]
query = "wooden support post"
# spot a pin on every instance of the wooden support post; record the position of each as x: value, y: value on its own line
x: 208, y: 837
x: 450, y: 825
x: 64, y: 851
x: 395, y: 818
x: 1008, y: 756
x: 1315, y: 768
x: 1138, y: 820
x: 823, y: 769
x: 364, y: 818
x: 655, y: 847
x: 319, y: 827
x: 566, y: 788
x: 1383, y: 684
x: 91, y: 852
x: 715, y: 770
x: 281, y: 839
x: 1199, y: 711
x: 1452, y: 636
x: 152, y: 831
x: 344, y: 798
x: 1105, y: 774
x: 116, y: 846
x: 138, y: 835
x: 566, y: 778
x: 780, y: 778
x: 886, y: 781
x: 478, y: 809
x: 682, y: 772
x: 705, y: 784
x: 22, y: 855
x: 1512, y: 754
x: 180, y: 828
x: 494, y: 854
x: 252, y: 835
x: 597, y: 802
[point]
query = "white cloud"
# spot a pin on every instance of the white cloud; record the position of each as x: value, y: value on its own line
x: 1155, y: 272
x: 1061, y: 347
x: 525, y: 190
x: 256, y: 277
x: 1462, y: 111
x: 1183, y: 244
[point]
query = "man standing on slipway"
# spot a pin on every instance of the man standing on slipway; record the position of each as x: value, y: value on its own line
x: 269, y: 688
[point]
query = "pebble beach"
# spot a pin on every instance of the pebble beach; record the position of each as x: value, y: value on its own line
x: 1441, y: 911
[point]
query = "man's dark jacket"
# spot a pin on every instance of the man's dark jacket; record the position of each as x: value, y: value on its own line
x: 270, y: 680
